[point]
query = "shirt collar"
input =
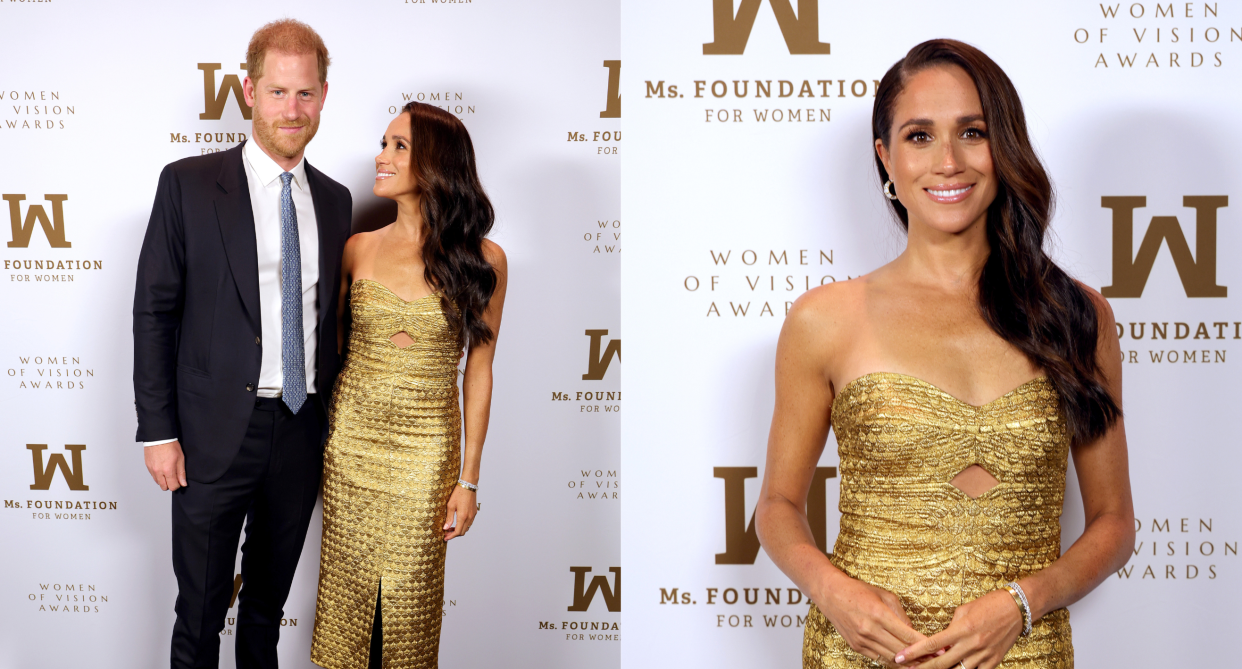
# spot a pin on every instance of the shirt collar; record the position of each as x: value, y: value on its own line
x: 267, y: 170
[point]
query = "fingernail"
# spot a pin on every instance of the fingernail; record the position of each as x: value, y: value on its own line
x: 899, y: 659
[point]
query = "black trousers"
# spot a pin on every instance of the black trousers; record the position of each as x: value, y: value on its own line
x: 271, y: 486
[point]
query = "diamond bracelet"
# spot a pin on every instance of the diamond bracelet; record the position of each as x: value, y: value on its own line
x: 1019, y: 598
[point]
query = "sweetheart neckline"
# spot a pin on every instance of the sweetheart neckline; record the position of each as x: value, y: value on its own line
x: 390, y: 291
x: 940, y: 390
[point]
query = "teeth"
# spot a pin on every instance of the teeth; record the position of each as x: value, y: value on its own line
x: 948, y: 193
x: 384, y: 175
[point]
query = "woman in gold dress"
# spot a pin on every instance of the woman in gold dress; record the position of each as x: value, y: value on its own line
x: 396, y: 485
x: 958, y: 379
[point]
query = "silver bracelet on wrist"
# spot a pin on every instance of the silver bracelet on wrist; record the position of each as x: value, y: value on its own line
x: 1020, y: 598
x: 467, y: 485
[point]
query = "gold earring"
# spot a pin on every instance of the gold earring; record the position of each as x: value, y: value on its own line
x: 888, y: 193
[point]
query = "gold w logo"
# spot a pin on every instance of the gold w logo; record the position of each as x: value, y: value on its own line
x: 741, y: 540
x: 613, y: 107
x: 597, y: 364
x: 213, y: 100
x: 801, y: 32
x: 1198, y: 272
x: 583, y: 594
x: 43, y: 476
x: 53, y: 229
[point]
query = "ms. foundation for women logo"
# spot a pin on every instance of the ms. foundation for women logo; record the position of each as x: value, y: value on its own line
x: 1154, y: 339
x: 48, y: 502
x: 221, y: 130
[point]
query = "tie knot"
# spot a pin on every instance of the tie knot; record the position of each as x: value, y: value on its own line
x: 286, y: 177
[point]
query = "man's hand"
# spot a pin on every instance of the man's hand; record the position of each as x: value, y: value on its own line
x: 166, y: 464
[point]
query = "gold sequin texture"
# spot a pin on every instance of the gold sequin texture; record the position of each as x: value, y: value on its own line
x: 906, y: 529
x: 392, y: 459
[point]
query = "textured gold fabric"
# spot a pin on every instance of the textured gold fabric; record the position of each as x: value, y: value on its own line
x: 906, y: 529
x: 391, y: 462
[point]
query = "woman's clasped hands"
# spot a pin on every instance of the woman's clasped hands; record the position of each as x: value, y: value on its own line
x: 980, y: 635
x: 874, y: 623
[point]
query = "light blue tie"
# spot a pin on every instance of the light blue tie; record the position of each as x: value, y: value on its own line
x: 292, y: 345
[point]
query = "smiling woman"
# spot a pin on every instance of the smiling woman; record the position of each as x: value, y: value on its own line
x: 397, y: 485
x: 958, y: 379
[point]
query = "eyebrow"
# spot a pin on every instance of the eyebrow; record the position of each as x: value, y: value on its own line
x: 926, y: 121
x: 400, y: 137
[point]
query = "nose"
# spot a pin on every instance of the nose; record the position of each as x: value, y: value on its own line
x: 948, y: 159
x: 291, y: 111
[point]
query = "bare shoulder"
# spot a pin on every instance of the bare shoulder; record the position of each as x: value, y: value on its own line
x: 358, y: 243
x: 823, y: 317
x: 351, y: 244
x: 495, y: 256
x: 359, y: 249
x: 828, y: 305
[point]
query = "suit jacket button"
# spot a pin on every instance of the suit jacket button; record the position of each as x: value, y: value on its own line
x: 256, y: 340
x: 249, y: 387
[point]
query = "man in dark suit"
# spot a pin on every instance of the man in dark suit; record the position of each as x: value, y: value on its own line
x: 235, y: 351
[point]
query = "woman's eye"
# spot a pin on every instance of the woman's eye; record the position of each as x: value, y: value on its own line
x: 974, y: 133
x: 918, y: 137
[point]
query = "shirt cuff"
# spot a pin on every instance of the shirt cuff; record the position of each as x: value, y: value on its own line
x: 157, y: 443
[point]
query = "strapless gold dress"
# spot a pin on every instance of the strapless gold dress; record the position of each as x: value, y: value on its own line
x: 906, y: 529
x: 392, y: 459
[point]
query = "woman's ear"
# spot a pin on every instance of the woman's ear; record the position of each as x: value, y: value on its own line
x: 882, y: 152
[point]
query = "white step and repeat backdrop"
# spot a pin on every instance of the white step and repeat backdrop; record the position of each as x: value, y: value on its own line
x: 97, y: 98
x: 748, y: 178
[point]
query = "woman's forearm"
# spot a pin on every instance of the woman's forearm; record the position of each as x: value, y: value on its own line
x: 476, y: 410
x: 1103, y: 548
x: 786, y: 536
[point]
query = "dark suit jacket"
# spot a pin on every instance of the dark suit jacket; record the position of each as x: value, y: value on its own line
x: 197, y: 338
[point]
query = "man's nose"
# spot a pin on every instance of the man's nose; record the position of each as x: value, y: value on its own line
x: 290, y: 109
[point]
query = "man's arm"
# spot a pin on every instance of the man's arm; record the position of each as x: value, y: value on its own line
x: 159, y: 295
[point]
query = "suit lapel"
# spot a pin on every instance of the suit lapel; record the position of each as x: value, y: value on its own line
x: 236, y: 219
x: 325, y: 216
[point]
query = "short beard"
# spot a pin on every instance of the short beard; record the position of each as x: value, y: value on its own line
x: 278, y: 143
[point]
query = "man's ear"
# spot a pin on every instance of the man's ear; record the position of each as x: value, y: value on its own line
x: 248, y: 90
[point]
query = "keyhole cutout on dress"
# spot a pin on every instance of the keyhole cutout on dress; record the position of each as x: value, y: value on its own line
x: 974, y: 481
x: 402, y: 339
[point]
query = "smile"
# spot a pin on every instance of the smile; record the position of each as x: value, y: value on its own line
x: 384, y: 175
x: 949, y: 194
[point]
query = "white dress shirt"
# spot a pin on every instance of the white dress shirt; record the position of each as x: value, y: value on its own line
x: 263, y: 180
x: 263, y: 177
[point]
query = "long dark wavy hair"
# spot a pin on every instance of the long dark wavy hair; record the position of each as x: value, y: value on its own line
x: 457, y: 215
x: 1023, y: 295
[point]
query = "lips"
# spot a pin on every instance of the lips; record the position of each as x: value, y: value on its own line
x: 949, y: 193
x: 380, y: 176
